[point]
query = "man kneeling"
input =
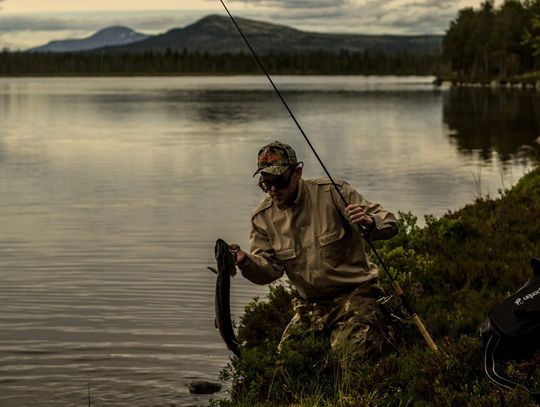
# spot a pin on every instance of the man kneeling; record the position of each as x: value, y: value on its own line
x: 304, y: 229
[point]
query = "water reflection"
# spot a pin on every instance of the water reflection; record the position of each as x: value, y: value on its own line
x: 229, y: 107
x: 484, y: 121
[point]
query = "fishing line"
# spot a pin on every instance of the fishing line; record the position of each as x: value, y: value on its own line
x: 393, y: 281
x: 284, y: 102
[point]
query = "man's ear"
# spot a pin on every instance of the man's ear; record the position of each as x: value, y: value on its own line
x: 298, y: 171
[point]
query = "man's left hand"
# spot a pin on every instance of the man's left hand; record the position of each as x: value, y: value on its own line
x: 239, y: 255
x: 357, y: 214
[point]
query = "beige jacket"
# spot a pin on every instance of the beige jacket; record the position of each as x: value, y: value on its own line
x: 313, y: 242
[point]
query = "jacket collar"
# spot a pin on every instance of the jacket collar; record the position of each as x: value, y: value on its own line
x: 299, y: 194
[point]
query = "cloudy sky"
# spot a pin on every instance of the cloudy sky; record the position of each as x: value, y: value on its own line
x: 28, y: 23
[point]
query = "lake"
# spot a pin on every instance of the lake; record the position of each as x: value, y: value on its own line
x: 113, y: 192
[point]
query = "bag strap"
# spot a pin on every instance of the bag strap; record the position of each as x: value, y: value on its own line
x: 491, y: 372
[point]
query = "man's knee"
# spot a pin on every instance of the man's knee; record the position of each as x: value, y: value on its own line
x: 362, y: 337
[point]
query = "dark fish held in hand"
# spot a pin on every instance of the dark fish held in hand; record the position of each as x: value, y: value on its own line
x: 225, y: 269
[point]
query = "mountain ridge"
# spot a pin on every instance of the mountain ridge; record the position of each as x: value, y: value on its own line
x: 215, y: 34
x: 109, y: 36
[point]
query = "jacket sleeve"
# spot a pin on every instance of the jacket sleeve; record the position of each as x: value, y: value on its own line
x: 261, y: 265
x: 386, y: 224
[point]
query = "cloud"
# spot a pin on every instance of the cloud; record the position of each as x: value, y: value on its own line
x: 430, y: 16
x: 301, y: 6
x: 11, y: 24
x: 91, y: 22
x: 304, y: 4
x: 25, y: 31
x: 439, y: 4
x: 362, y: 16
x: 422, y: 21
x: 322, y: 15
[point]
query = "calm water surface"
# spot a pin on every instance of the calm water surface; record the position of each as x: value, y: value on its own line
x: 113, y: 192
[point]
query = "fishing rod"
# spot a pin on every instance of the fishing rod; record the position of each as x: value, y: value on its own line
x: 395, y: 284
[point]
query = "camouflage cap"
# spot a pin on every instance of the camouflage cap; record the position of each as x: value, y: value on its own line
x: 275, y: 158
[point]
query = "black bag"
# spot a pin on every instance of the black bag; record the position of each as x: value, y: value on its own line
x: 512, y: 331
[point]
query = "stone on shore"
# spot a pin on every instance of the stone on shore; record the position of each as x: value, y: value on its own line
x: 203, y: 387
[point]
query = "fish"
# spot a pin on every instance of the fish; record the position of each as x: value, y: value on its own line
x: 225, y: 269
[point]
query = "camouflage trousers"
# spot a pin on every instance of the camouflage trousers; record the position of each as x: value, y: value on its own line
x: 353, y: 322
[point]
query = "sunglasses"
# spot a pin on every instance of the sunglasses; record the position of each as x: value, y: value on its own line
x: 279, y: 182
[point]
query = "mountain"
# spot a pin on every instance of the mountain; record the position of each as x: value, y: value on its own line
x: 216, y: 34
x: 110, y: 36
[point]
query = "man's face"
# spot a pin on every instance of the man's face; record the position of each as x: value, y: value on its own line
x: 282, y: 188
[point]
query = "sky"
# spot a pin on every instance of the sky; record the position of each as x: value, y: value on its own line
x: 28, y: 23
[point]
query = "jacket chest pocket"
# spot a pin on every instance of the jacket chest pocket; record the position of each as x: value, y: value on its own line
x: 333, y: 250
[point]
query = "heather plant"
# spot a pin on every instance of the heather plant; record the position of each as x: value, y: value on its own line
x: 454, y: 270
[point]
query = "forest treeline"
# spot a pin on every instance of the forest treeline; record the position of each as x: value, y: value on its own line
x: 490, y: 42
x: 174, y: 62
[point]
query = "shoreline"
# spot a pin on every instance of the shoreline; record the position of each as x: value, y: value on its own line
x: 175, y: 74
x: 526, y: 81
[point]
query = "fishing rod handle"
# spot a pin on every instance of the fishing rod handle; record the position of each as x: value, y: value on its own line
x: 416, y: 319
x: 427, y: 337
x: 404, y: 300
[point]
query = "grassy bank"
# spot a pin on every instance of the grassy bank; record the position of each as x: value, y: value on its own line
x: 455, y: 268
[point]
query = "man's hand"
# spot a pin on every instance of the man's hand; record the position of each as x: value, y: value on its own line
x: 239, y: 255
x: 357, y: 215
